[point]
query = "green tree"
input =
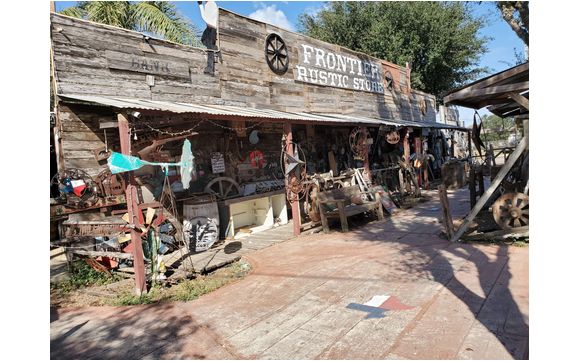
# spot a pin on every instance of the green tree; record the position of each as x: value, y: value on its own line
x: 160, y: 18
x: 496, y: 128
x: 516, y: 14
x: 438, y: 39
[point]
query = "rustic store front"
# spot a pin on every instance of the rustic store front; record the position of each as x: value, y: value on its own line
x: 171, y: 148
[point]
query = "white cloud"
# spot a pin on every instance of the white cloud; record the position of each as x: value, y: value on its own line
x: 272, y: 15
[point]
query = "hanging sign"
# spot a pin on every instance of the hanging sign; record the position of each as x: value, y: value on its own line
x: 217, y: 163
x: 340, y: 70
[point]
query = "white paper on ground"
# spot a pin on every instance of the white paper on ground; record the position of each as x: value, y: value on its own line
x: 376, y: 301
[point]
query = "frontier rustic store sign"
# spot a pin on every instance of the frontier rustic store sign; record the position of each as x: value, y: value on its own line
x: 327, y: 68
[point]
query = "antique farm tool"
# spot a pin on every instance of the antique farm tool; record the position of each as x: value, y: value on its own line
x: 223, y: 188
x: 119, y: 163
x: 511, y: 210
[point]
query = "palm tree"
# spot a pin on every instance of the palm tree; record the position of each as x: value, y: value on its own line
x: 159, y: 18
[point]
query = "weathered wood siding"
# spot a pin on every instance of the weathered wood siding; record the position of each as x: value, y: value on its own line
x: 80, y: 135
x: 98, y: 59
x: 246, y: 76
x: 92, y: 58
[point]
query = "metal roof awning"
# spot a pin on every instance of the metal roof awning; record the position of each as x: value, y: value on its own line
x: 243, y: 112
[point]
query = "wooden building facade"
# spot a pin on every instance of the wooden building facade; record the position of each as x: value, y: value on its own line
x: 263, y: 91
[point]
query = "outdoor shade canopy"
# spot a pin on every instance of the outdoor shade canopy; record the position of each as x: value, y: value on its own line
x: 225, y: 111
x: 497, y: 92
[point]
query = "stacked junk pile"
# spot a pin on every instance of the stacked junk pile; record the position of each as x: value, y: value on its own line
x: 190, y: 201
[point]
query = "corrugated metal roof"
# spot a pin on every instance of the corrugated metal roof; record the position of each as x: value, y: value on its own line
x: 251, y: 113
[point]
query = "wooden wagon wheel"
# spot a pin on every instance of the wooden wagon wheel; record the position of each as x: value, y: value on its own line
x: 511, y: 210
x: 276, y: 54
x: 223, y: 188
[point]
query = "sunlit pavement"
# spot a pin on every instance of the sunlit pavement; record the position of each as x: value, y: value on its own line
x: 305, y: 299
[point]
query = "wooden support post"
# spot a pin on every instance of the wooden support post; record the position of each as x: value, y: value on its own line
x: 343, y: 218
x: 469, y: 146
x: 472, y: 186
x: 366, y: 155
x: 133, y: 208
x: 494, y: 185
x: 287, y: 129
x: 417, y: 152
x: 406, y: 144
x: 481, y: 183
x: 446, y: 215
x: 521, y: 100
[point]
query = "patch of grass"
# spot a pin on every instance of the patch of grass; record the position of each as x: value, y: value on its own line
x: 186, y: 290
x: 83, y: 275
x: 515, y: 242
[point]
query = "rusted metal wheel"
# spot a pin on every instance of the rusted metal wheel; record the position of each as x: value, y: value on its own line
x: 511, y: 210
x: 223, y: 188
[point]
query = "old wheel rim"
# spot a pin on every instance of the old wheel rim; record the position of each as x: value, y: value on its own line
x: 511, y: 210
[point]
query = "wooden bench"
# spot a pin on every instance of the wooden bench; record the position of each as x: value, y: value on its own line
x: 337, y: 203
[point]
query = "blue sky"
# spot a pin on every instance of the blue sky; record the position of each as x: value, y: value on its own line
x: 501, y: 49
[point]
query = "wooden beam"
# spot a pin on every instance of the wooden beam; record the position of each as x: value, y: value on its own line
x: 133, y: 208
x: 517, y: 232
x: 521, y: 100
x: 495, y: 90
x: 493, y: 79
x: 366, y: 154
x: 296, y: 217
x: 494, y: 185
x: 446, y: 215
x: 120, y: 255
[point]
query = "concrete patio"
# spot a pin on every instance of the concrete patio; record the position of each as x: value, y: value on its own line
x: 304, y: 300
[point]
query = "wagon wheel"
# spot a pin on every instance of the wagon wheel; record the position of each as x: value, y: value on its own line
x: 357, y: 141
x: 393, y: 137
x: 511, y: 210
x: 276, y: 54
x: 223, y: 188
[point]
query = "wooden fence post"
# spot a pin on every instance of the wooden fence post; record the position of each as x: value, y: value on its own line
x: 446, y: 216
x: 133, y: 209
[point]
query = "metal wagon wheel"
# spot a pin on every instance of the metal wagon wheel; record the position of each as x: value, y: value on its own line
x: 276, y: 54
x: 511, y: 210
x: 223, y: 188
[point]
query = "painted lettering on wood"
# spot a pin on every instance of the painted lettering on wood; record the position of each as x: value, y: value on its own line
x: 340, y: 70
x: 148, y: 64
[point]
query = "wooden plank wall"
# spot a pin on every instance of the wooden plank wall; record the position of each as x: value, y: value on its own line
x: 87, y: 61
x: 245, y: 75
x: 97, y: 59
x: 80, y: 134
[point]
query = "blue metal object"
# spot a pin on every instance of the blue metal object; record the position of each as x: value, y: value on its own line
x: 119, y: 163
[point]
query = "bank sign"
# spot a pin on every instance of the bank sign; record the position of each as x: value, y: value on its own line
x: 327, y: 68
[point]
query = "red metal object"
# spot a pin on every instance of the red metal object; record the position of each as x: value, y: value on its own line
x: 135, y: 215
x: 287, y: 129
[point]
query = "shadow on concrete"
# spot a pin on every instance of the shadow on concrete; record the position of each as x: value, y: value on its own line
x: 429, y: 256
x: 150, y: 331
